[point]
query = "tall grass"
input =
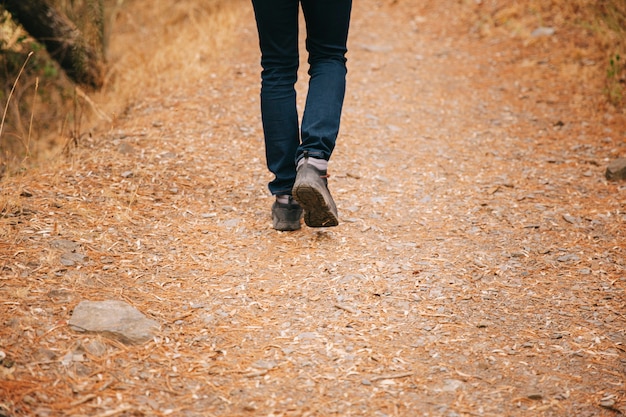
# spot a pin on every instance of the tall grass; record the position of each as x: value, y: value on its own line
x: 151, y: 45
x: 166, y: 44
x: 36, y: 97
x: 10, y: 96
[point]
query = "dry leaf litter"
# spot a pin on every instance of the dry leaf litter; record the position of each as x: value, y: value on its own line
x: 479, y: 268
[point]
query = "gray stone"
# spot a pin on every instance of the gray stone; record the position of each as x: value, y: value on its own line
x: 125, y: 148
x: 263, y: 364
x: 231, y: 223
x: 64, y: 245
x: 96, y: 348
x: 451, y: 385
x: 72, y: 258
x: 115, y: 319
x: 616, y: 170
x: 570, y: 257
x: 543, y: 31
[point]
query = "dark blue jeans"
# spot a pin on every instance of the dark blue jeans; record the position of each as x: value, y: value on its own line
x: 327, y: 23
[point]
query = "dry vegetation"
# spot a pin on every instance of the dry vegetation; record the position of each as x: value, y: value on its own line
x: 591, y: 31
x: 47, y: 112
x: 479, y: 268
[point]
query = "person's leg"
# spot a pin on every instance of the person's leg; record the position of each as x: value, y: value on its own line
x: 327, y: 23
x: 277, y: 24
x: 327, y: 33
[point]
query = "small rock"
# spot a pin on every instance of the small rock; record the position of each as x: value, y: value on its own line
x: 72, y: 258
x: 43, y: 412
x: 44, y: 354
x: 96, y: 348
x: 616, y: 170
x: 262, y: 364
x: 64, y: 245
x: 60, y: 295
x: 607, y: 401
x: 451, y: 385
x: 543, y: 31
x: 568, y: 258
x: 82, y: 370
x: 231, y: 223
x: 67, y: 359
x: 168, y: 155
x: 376, y: 48
x: 6, y: 362
x: 126, y: 148
x: 27, y: 399
x: 307, y: 336
x: 113, y: 318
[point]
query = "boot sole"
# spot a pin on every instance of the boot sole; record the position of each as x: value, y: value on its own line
x: 317, y: 211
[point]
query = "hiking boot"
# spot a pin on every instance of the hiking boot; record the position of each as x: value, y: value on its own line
x: 286, y: 217
x: 311, y: 191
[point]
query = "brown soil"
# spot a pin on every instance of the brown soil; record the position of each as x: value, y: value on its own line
x: 478, y: 270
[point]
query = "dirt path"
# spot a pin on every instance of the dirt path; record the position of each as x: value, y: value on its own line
x: 479, y: 268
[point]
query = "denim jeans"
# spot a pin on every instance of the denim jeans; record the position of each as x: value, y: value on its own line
x: 327, y: 23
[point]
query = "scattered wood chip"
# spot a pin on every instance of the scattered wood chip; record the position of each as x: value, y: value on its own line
x: 346, y: 308
x: 391, y: 376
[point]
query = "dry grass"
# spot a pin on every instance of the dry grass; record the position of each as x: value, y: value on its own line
x: 172, y: 43
x: 164, y: 43
x: 478, y: 269
x: 38, y: 88
x: 152, y: 43
x: 606, y: 20
x: 591, y: 32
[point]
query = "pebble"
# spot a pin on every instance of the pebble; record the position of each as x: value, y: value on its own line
x: 616, y: 170
x: 543, y: 31
x: 96, y: 348
x: 608, y: 401
x: 72, y: 258
x: 64, y: 245
x: 263, y: 364
x: 451, y: 385
x: 568, y: 258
